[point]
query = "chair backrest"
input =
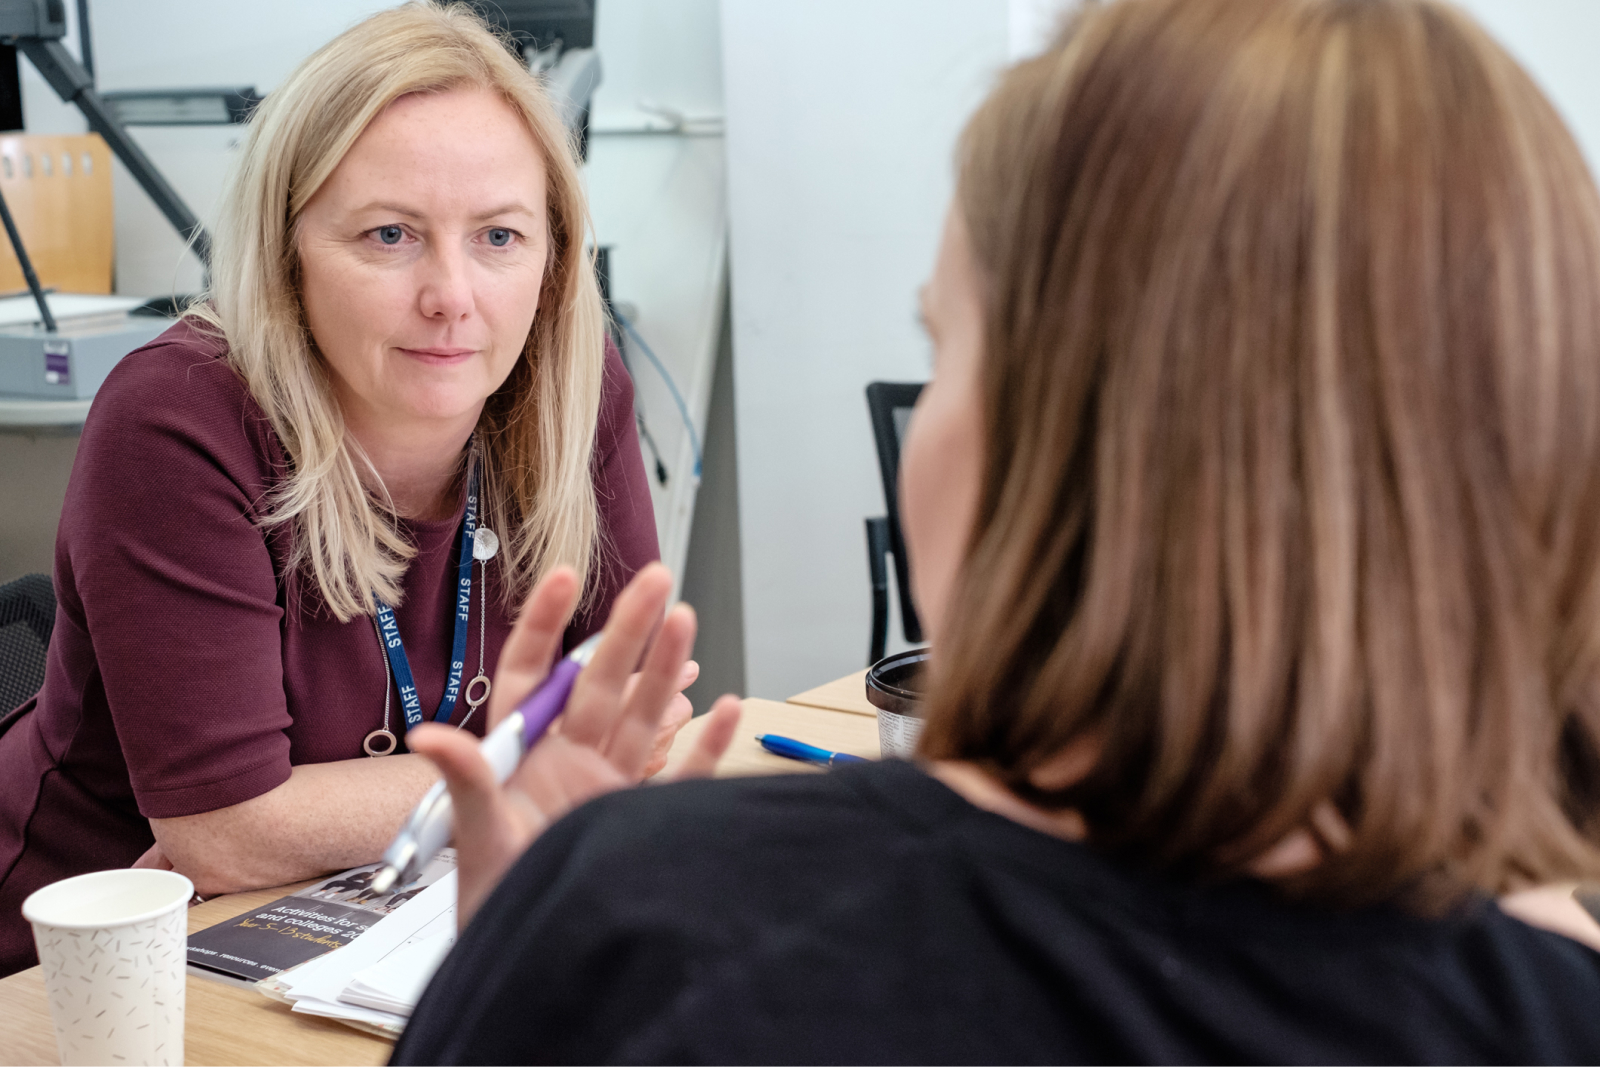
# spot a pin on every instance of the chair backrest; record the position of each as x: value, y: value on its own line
x: 27, y: 615
x: 890, y: 404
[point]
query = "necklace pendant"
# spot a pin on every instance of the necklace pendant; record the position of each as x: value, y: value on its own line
x: 485, y: 544
x: 474, y: 702
x: 380, y: 743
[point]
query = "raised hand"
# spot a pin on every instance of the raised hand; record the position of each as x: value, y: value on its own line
x: 608, y: 737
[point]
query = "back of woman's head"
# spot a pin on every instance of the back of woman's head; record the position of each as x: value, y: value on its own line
x: 1291, y: 505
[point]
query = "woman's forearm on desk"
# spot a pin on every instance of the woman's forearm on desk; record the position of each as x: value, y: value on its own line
x: 326, y: 817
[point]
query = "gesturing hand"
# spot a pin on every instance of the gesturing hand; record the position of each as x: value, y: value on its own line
x: 606, y: 736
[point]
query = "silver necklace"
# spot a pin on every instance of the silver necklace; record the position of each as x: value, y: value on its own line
x: 485, y: 543
x: 383, y: 742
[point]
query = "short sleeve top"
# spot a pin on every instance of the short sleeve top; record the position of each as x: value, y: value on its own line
x: 186, y: 671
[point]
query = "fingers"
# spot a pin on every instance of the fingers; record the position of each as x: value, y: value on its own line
x: 676, y: 717
x: 491, y: 828
x: 597, y: 699
x: 635, y: 730
x: 473, y: 789
x: 691, y: 672
x: 722, y: 722
x: 558, y: 775
x: 679, y: 712
x: 534, y: 642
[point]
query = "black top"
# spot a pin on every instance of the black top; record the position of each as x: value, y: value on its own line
x: 872, y: 915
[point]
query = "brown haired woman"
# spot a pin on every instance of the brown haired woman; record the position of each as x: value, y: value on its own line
x: 1255, y: 510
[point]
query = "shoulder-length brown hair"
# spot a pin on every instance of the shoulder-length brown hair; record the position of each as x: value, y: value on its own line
x: 1291, y: 501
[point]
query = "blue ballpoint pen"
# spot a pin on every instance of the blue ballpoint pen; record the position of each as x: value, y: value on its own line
x: 789, y: 748
x: 432, y: 820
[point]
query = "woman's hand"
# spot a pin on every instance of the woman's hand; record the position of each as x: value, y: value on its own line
x: 611, y: 732
x: 677, y: 716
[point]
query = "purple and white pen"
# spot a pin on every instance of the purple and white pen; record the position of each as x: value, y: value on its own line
x: 429, y: 828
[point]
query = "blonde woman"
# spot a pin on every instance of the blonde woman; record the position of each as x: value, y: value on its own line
x: 1254, y: 509
x: 302, y: 519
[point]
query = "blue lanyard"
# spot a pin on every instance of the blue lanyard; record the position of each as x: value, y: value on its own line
x: 410, y: 702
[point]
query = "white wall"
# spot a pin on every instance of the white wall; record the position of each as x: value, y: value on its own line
x: 1556, y: 41
x: 841, y: 120
x: 666, y: 52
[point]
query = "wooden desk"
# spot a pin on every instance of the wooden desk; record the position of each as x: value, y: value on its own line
x: 838, y: 731
x: 223, y: 1024
x: 228, y: 1024
x: 843, y: 694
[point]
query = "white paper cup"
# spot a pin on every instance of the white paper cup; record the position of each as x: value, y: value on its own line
x: 898, y: 734
x: 894, y: 687
x: 113, y: 946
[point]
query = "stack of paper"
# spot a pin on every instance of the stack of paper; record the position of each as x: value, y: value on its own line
x: 377, y: 979
x: 396, y: 984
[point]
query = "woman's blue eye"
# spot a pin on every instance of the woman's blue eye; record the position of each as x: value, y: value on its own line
x: 499, y: 238
x: 390, y: 235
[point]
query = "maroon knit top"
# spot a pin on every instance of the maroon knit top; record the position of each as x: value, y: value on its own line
x: 181, y: 675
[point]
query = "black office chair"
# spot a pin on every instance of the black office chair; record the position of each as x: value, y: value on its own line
x: 890, y: 405
x: 27, y: 615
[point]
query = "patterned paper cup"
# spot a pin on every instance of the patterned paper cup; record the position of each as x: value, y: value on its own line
x: 113, y: 947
